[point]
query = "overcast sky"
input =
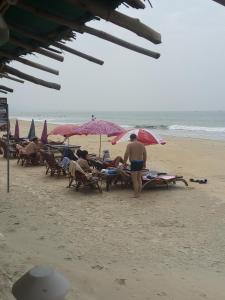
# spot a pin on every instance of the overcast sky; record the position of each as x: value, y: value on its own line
x: 189, y: 75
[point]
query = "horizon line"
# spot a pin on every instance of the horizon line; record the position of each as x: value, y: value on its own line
x: 90, y: 111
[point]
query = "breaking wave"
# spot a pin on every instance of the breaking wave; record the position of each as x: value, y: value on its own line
x: 153, y: 126
x: 177, y: 127
x: 197, y: 128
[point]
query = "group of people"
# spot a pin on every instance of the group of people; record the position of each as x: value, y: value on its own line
x: 135, y: 153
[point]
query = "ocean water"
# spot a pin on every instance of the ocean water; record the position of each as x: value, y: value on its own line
x: 195, y: 124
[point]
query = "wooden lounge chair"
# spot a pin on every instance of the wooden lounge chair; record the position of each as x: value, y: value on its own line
x: 124, y: 176
x: 162, y: 180
x: 26, y: 159
x: 121, y: 177
x: 82, y: 179
x: 12, y: 149
x: 52, y: 166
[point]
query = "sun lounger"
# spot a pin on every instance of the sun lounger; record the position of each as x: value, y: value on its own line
x: 161, y: 180
x: 26, y: 159
x: 52, y: 166
x: 82, y: 179
x: 12, y: 149
x: 114, y: 176
x: 149, y: 179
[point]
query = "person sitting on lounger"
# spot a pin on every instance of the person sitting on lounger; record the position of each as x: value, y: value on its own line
x: 106, y: 161
x: 83, y: 161
x: 113, y: 163
x: 67, y: 152
x: 32, y: 149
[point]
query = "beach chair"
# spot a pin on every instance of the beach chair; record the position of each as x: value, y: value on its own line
x: 2, y: 148
x: 161, y: 180
x: 52, y: 165
x: 82, y: 179
x: 149, y: 179
x: 12, y: 149
x: 25, y: 159
x: 113, y: 176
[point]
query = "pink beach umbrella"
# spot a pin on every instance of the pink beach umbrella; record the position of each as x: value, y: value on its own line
x: 99, y: 127
x: 145, y: 136
x: 17, y: 131
x: 44, y: 135
x: 65, y: 130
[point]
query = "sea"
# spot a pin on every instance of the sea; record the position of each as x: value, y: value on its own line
x: 194, y: 124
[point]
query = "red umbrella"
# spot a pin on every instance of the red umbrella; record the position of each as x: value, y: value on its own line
x: 99, y: 127
x: 65, y: 130
x: 17, y: 131
x: 44, y: 135
x: 144, y: 136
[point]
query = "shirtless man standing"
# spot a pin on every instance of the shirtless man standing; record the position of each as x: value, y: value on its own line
x: 137, y: 155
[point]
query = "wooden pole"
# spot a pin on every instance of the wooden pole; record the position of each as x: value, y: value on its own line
x: 5, y: 88
x: 3, y: 92
x: 120, y: 42
x: 58, y: 45
x: 120, y: 19
x: 37, y: 66
x: 220, y: 2
x: 100, y: 145
x: 8, y: 129
x: 50, y: 54
x: 135, y: 3
x: 86, y: 29
x: 11, y: 78
x: 53, y: 50
x: 28, y: 47
x: 92, y: 6
x: 30, y: 78
x: 78, y: 53
x: 30, y: 63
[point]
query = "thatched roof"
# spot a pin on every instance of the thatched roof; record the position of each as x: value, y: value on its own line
x: 43, y: 26
x: 220, y: 1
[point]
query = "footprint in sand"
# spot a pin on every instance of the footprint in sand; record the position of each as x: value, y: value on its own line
x: 120, y: 281
x: 97, y: 267
x: 161, y: 294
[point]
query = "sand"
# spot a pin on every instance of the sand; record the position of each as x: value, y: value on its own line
x: 169, y: 244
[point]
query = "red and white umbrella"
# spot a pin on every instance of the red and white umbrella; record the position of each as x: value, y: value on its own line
x: 145, y: 136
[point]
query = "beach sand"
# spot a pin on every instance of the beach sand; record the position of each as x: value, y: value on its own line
x: 169, y: 244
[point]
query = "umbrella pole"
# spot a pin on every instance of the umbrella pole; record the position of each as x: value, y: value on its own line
x: 100, y: 145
